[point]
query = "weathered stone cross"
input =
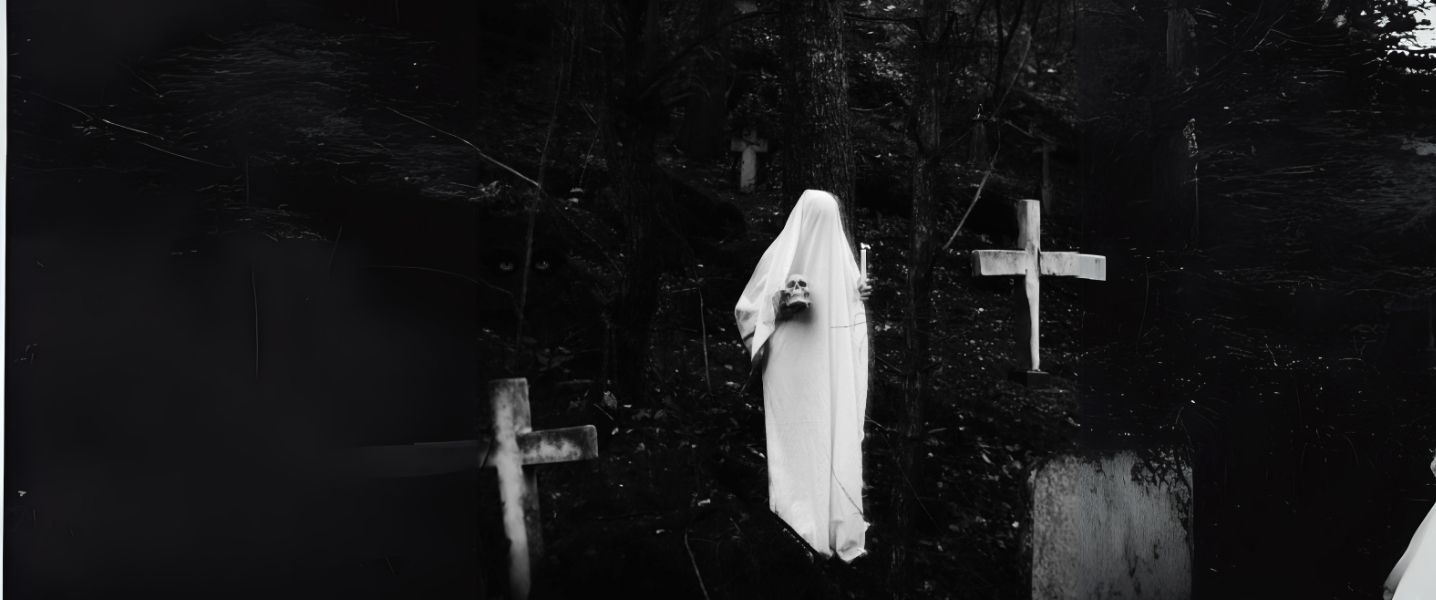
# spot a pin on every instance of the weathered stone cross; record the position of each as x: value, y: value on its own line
x: 1031, y: 262
x: 750, y: 146
x: 513, y: 445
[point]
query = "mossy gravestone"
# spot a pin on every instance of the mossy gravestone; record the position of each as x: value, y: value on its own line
x: 1112, y: 526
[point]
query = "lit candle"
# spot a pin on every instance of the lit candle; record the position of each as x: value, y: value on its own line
x: 864, y: 253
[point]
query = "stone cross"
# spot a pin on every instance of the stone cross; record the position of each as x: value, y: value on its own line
x: 1031, y: 262
x: 512, y: 446
x: 750, y: 146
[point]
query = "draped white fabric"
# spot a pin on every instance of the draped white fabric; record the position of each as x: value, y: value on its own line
x: 816, y: 382
x: 1414, y: 577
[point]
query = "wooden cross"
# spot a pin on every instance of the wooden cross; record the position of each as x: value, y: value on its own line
x: 513, y: 445
x: 750, y: 146
x: 1031, y: 262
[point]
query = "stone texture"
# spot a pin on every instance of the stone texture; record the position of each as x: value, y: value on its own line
x: 1112, y: 526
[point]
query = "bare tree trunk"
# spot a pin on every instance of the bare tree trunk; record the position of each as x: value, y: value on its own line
x: 818, y: 148
x: 1176, y: 176
x: 705, y: 119
x: 634, y: 114
x: 926, y: 132
x: 631, y: 163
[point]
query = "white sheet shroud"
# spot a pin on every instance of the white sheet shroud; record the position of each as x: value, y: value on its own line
x: 1414, y: 577
x: 815, y: 387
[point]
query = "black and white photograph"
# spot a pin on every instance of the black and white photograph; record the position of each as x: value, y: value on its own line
x: 720, y: 299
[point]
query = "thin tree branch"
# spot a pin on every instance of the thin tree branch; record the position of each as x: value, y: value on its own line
x: 90, y: 117
x: 693, y: 561
x: 181, y: 156
x: 975, y: 197
x: 661, y: 73
x: 703, y: 325
x: 471, y: 145
x: 1016, y: 74
x: 474, y: 280
x: 898, y: 20
x: 522, y: 301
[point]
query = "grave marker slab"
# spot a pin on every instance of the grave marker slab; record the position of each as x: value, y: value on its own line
x: 1113, y: 526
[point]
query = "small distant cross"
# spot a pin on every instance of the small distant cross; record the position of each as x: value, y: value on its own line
x: 1031, y: 262
x: 750, y: 146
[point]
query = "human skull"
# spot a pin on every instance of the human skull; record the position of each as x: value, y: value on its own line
x: 795, y: 296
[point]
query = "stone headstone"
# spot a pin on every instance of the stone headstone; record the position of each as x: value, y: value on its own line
x: 1112, y: 526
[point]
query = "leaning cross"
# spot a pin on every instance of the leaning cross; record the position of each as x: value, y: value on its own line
x: 750, y: 146
x: 513, y: 445
x: 1031, y: 262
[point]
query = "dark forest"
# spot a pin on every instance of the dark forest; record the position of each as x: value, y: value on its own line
x: 250, y: 238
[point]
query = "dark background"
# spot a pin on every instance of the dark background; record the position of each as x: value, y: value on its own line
x: 193, y: 337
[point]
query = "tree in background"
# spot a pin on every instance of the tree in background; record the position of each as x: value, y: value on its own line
x: 705, y: 117
x: 1175, y: 130
x: 655, y: 57
x: 633, y: 115
x: 817, y: 133
x: 932, y: 74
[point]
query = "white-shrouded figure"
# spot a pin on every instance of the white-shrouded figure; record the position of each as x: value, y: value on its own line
x: 1414, y: 577
x: 815, y: 378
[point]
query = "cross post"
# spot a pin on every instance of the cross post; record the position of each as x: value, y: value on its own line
x: 1031, y: 263
x: 513, y: 445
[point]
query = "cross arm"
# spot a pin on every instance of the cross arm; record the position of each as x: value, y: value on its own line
x: 1072, y: 264
x: 1000, y: 262
x: 569, y: 444
x: 438, y: 458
